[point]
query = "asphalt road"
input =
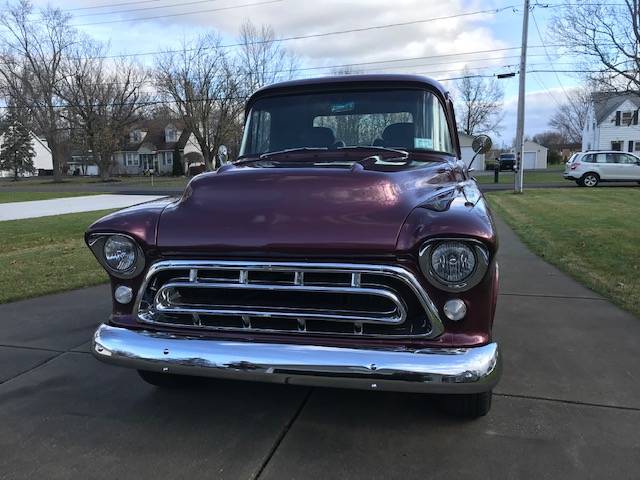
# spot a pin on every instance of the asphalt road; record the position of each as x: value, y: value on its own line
x: 568, y: 406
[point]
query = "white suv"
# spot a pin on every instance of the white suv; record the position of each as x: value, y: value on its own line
x: 588, y: 169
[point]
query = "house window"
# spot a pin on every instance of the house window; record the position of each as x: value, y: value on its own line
x: 136, y: 136
x: 132, y: 160
x: 627, y: 118
x: 171, y: 135
x: 617, y: 146
x: 637, y: 146
x: 167, y: 158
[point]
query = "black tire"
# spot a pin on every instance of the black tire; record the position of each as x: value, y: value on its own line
x: 471, y: 406
x: 590, y: 180
x: 166, y: 380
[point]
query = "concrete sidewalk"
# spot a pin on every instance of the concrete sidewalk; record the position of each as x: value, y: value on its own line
x: 568, y: 405
x: 59, y: 206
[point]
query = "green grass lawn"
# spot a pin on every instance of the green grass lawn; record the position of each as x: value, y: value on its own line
x: 593, y: 235
x: 552, y: 175
x: 47, y: 255
x: 140, y: 181
x: 6, y: 197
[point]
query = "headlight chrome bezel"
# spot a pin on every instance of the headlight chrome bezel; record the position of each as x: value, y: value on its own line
x: 97, y: 242
x: 481, y: 255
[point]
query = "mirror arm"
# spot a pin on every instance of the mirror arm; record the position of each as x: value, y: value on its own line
x: 472, y: 160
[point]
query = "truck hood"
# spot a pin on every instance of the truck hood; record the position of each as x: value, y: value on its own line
x: 297, y: 210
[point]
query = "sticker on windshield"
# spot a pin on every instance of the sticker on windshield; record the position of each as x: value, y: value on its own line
x: 426, y: 143
x: 343, y: 107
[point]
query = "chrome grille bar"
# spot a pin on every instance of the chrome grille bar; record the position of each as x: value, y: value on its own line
x: 289, y: 278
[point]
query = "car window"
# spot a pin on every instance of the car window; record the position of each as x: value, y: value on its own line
x: 588, y: 158
x: 628, y: 159
x: 602, y: 157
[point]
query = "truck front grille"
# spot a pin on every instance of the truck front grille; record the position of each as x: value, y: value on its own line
x: 318, y: 298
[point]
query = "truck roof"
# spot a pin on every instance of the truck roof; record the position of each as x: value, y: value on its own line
x: 346, y: 81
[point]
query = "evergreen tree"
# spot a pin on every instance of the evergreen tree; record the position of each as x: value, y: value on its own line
x: 16, y: 146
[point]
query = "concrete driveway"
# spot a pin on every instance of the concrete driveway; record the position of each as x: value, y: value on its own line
x: 568, y: 406
x: 59, y: 206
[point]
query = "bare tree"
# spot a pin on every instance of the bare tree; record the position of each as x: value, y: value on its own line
x: 604, y: 38
x: 32, y: 51
x: 261, y: 58
x: 570, y: 116
x: 103, y: 100
x: 201, y: 83
x: 479, y: 104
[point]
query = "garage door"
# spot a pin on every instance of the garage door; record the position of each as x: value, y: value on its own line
x: 529, y: 160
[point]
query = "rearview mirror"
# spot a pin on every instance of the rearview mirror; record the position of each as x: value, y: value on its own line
x: 481, y: 144
x: 223, y: 155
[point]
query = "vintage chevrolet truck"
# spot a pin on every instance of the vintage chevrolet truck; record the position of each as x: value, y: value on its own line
x: 346, y: 246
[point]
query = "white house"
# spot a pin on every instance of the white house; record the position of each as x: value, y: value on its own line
x: 612, y: 123
x: 42, y: 161
x: 468, y: 153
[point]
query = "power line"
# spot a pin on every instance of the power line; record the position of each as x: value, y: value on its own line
x: 180, y: 14
x: 140, y: 9
x: 353, y: 30
x: 122, y: 4
x: 535, y: 22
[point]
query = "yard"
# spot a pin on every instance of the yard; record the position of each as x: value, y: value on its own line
x: 141, y: 181
x: 7, y: 197
x: 46, y: 255
x: 531, y: 177
x: 592, y: 235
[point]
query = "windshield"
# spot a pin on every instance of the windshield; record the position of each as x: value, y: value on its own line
x: 401, y: 119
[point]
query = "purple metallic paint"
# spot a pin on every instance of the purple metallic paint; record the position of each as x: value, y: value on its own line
x: 322, y: 213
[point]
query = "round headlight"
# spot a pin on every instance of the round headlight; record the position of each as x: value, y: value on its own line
x: 453, y: 262
x: 454, y: 265
x: 120, y: 253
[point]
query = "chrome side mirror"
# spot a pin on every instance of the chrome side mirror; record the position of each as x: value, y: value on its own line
x: 223, y: 155
x: 481, y: 144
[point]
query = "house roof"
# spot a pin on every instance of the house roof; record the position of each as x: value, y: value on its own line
x: 605, y: 103
x: 156, y: 135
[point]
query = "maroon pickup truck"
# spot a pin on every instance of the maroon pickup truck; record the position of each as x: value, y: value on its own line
x: 347, y: 246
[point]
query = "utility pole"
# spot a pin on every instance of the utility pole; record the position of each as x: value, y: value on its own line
x: 519, y: 176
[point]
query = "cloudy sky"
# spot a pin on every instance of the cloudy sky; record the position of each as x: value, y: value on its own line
x: 486, y: 43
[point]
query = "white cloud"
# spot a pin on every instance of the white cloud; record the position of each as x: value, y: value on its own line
x: 302, y: 17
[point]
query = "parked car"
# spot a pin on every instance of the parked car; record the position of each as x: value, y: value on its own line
x: 507, y: 161
x: 588, y: 169
x: 347, y: 246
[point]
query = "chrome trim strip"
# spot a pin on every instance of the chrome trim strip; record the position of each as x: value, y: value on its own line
x: 164, y: 304
x: 396, y: 272
x: 429, y: 370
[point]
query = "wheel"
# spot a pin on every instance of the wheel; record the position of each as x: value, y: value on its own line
x: 590, y: 180
x: 473, y: 405
x: 166, y: 380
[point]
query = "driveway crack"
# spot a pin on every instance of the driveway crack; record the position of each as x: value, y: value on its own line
x: 283, y: 434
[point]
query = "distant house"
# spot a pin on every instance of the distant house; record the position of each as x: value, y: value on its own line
x: 42, y: 161
x: 152, y: 146
x: 612, y: 123
x: 468, y: 153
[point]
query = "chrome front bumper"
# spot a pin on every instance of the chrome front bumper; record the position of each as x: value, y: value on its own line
x: 431, y: 370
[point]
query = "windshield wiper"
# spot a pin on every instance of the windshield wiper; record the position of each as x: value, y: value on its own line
x: 286, y: 151
x: 400, y: 154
